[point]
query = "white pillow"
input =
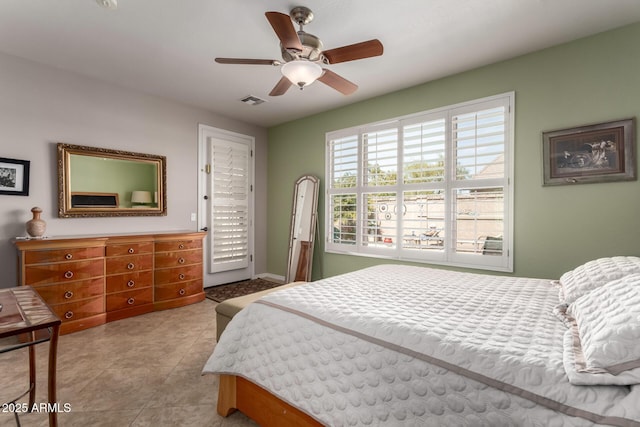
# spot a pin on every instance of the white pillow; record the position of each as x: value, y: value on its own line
x: 607, y: 322
x: 595, y: 274
x: 625, y: 378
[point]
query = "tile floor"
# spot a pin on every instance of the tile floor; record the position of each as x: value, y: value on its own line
x: 141, y: 371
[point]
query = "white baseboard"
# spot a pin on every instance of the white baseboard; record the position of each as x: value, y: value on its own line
x: 271, y: 277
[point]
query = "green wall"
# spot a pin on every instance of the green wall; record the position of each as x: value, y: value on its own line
x: 592, y: 80
x: 96, y: 174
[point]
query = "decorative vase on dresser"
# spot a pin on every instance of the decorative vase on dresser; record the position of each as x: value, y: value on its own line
x: 91, y: 280
x: 36, y: 226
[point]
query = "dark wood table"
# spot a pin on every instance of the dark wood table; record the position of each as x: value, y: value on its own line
x: 25, y: 316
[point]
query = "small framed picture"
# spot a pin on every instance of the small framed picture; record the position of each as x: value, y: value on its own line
x: 14, y: 177
x: 602, y: 152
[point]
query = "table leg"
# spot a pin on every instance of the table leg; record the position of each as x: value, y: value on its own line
x: 53, y: 354
x: 32, y: 371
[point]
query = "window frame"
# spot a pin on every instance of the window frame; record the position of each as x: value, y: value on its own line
x: 448, y: 255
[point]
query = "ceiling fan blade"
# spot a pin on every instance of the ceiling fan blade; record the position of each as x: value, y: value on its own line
x: 337, y: 82
x: 244, y: 61
x: 283, y: 26
x: 354, y: 51
x: 281, y: 87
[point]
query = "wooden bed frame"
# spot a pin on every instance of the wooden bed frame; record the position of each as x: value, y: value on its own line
x: 237, y: 393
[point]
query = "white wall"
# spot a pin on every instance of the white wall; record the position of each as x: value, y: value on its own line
x: 41, y: 105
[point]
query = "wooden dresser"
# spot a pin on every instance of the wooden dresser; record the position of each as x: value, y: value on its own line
x: 178, y: 271
x: 129, y: 276
x: 91, y: 280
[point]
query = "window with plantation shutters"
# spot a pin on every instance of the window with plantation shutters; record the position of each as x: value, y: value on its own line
x: 478, y: 138
x: 430, y: 187
x: 230, y: 192
x: 342, y: 177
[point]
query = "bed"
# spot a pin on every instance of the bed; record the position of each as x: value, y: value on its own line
x: 400, y: 345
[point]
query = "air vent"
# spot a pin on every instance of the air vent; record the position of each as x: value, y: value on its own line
x: 252, y: 100
x: 108, y: 4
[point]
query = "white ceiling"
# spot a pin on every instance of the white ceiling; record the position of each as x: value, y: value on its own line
x: 166, y: 47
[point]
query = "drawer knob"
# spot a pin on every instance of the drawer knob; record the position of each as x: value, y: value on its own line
x: 68, y: 256
x: 180, y: 260
x: 181, y: 276
x: 131, y: 283
x: 68, y: 274
x: 131, y: 266
x: 68, y: 314
x: 130, y: 301
x: 181, y: 246
x: 131, y: 250
x: 182, y: 291
x: 68, y: 295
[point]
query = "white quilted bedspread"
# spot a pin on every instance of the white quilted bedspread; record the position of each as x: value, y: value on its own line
x: 400, y: 345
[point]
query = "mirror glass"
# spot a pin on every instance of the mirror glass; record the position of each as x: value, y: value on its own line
x: 303, y: 229
x: 102, y: 182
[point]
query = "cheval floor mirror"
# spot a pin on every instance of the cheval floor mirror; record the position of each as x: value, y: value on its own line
x: 304, y: 214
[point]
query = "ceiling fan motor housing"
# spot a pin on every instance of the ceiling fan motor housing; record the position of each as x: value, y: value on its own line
x: 311, y: 49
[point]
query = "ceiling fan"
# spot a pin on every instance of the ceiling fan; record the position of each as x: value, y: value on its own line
x: 303, y: 55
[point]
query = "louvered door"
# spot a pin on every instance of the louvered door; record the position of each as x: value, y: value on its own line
x: 230, y: 205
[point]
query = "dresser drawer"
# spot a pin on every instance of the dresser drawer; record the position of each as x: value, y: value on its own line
x: 178, y: 245
x: 40, y: 274
x: 177, y: 290
x: 62, y: 255
x: 72, y: 291
x: 129, y: 263
x: 79, y: 309
x: 129, y: 249
x: 128, y: 281
x: 176, y: 259
x: 178, y: 274
x: 129, y: 299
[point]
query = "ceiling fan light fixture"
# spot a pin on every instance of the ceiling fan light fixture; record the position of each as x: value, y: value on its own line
x: 301, y: 73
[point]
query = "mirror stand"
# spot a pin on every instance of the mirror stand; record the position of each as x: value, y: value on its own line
x: 304, y: 215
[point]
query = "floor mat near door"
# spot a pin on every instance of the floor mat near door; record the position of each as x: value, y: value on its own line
x: 238, y: 289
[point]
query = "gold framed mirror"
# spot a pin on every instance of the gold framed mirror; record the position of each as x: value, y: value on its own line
x: 98, y: 182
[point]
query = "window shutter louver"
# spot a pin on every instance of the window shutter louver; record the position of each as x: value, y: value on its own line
x: 479, y: 140
x: 344, y: 162
x: 230, y: 206
x: 343, y: 154
x: 380, y: 157
x: 424, y: 147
